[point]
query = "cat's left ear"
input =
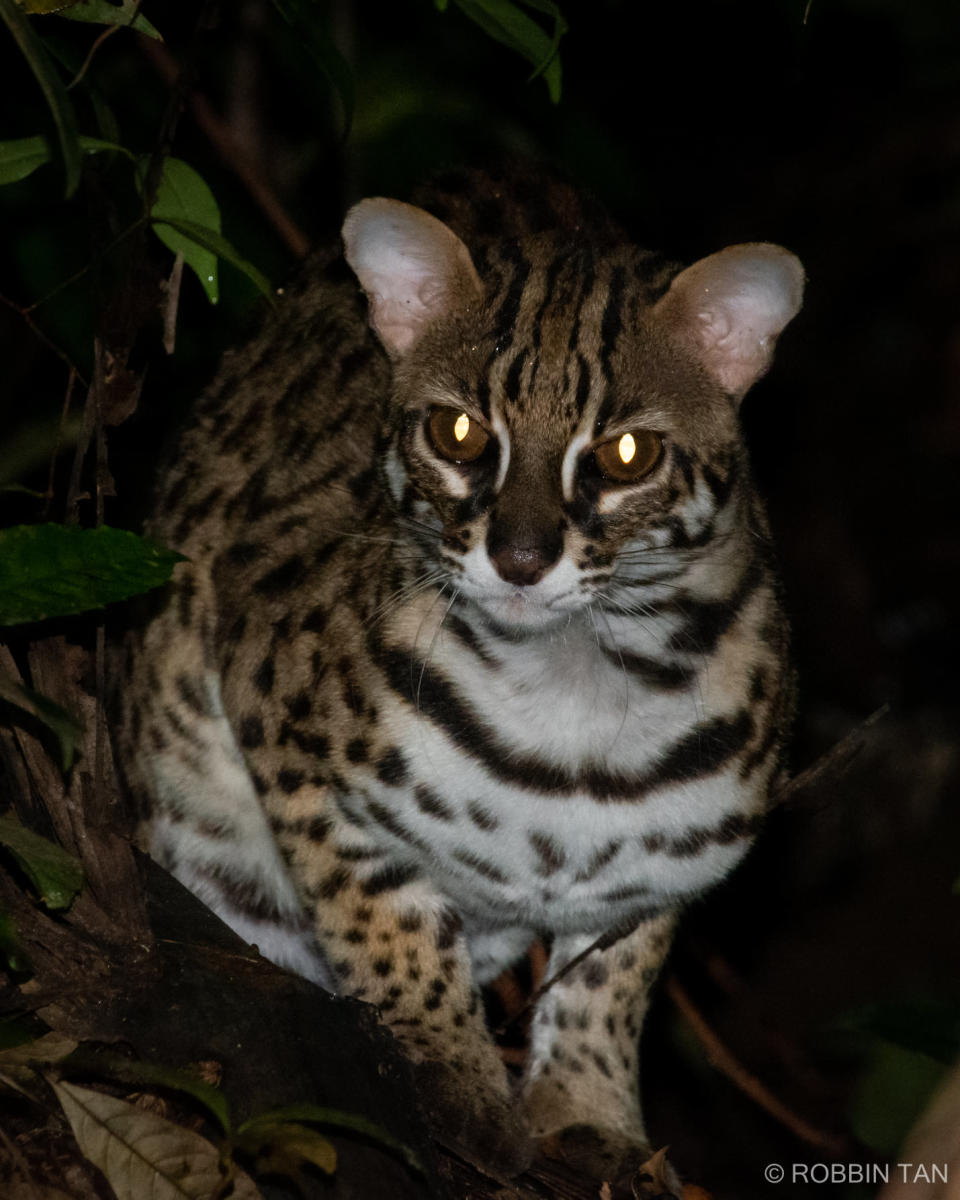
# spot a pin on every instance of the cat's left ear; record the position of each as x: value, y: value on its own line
x: 412, y: 267
x: 731, y: 307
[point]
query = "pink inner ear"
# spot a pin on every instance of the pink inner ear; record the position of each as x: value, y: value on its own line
x: 732, y: 306
x: 412, y: 267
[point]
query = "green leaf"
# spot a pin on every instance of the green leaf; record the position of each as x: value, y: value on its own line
x: 282, y: 1147
x: 56, y: 875
x: 147, y: 1073
x: 19, y: 1029
x: 506, y: 23
x: 560, y: 27
x: 98, y: 12
x: 891, y: 1094
x: 23, y: 156
x: 42, y: 7
x: 52, y: 87
x: 21, y: 489
x: 183, y: 196
x: 925, y: 1026
x: 11, y: 948
x: 222, y: 249
x: 316, y: 1114
x: 54, y: 571
x: 306, y: 18
x: 66, y: 727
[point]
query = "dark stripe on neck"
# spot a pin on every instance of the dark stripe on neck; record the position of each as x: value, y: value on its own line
x: 704, y: 749
x: 654, y: 674
x: 706, y: 621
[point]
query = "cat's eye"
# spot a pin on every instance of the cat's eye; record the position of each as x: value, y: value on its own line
x: 627, y: 458
x: 456, y: 436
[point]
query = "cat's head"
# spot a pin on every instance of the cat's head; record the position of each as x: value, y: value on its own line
x: 567, y: 415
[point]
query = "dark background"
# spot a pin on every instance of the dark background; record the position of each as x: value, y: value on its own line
x: 832, y: 128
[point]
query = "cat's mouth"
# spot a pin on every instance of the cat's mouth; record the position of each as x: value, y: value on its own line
x: 521, y: 608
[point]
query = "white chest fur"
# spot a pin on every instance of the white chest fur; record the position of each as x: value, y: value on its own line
x: 520, y: 805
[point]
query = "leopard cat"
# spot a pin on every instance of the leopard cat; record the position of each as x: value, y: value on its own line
x: 478, y: 636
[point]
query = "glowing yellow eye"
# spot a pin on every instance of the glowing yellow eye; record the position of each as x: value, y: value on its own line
x: 456, y: 436
x: 628, y: 458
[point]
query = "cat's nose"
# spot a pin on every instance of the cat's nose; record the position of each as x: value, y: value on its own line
x: 525, y: 565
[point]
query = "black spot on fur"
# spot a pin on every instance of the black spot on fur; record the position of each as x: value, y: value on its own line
x: 263, y: 677
x: 550, y: 857
x: 251, y: 732
x: 431, y: 804
x: 389, y: 879
x: 392, y: 768
x: 299, y: 706
x: 449, y: 926
x: 288, y: 575
x: 289, y: 781
x: 357, y: 750
x: 481, y: 817
x: 315, y: 621
x: 595, y: 973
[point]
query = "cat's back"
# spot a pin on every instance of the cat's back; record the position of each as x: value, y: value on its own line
x: 290, y: 422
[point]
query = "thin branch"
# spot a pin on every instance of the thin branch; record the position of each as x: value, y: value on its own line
x: 219, y: 135
x: 172, y: 303
x: 72, y: 513
x: 723, y: 1059
x: 65, y: 283
x: 603, y: 942
x: 90, y: 53
x: 54, y: 453
x: 99, y: 42
x: 38, y: 332
x: 834, y: 763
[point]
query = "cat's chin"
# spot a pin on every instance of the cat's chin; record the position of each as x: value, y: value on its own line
x: 519, y: 612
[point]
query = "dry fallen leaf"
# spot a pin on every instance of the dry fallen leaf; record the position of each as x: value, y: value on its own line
x: 142, y: 1154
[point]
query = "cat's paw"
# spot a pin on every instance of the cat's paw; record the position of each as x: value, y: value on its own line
x: 481, y: 1125
x: 631, y: 1169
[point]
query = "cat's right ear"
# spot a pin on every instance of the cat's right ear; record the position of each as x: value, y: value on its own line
x: 412, y: 267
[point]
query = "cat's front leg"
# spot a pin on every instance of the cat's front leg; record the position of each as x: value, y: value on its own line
x: 391, y: 939
x: 581, y: 1091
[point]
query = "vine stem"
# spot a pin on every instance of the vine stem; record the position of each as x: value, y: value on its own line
x: 219, y: 135
x: 730, y: 1066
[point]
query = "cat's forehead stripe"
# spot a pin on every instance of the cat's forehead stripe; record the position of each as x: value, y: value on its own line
x: 610, y: 327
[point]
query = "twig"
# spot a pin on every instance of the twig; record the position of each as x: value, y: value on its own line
x: 38, y: 332
x: 233, y: 155
x: 172, y: 303
x: 604, y: 941
x: 786, y: 1051
x: 99, y: 42
x: 835, y: 762
x: 72, y: 513
x: 90, y: 53
x: 64, y: 412
x: 26, y: 310
x: 725, y: 1062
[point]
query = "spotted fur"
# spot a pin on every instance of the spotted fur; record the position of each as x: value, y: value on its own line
x: 399, y: 716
